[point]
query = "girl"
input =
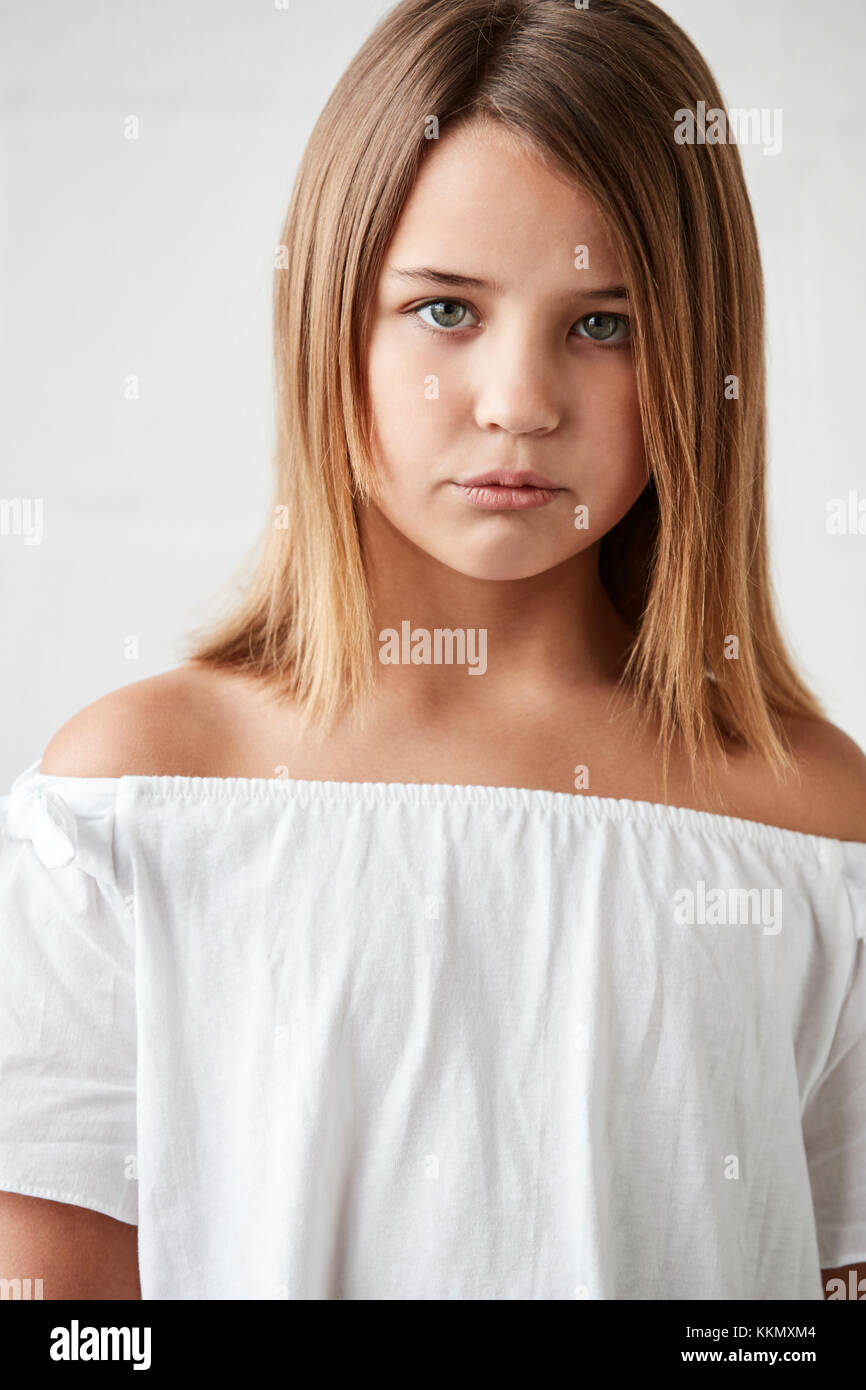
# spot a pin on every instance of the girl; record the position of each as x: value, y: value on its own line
x: 479, y: 911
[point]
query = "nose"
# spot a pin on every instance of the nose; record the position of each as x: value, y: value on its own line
x: 517, y: 389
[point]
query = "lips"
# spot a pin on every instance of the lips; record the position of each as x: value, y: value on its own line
x: 507, y: 477
x: 508, y: 490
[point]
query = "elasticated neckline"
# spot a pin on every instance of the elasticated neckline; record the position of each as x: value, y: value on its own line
x: 586, y: 807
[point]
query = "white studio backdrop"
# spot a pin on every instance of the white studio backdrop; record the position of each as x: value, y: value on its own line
x: 153, y: 258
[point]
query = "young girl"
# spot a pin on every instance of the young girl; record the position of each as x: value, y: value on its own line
x: 479, y: 911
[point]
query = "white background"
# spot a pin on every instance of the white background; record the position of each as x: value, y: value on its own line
x: 155, y: 256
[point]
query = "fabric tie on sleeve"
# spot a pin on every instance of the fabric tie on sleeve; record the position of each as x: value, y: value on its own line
x: 43, y: 817
x: 68, y: 820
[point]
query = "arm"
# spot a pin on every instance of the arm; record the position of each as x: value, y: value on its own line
x: 76, y: 1252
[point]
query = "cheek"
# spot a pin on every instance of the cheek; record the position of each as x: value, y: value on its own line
x: 612, y: 428
x: 411, y: 411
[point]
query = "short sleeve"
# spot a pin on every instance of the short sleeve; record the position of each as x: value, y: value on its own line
x: 834, y: 1120
x: 67, y: 999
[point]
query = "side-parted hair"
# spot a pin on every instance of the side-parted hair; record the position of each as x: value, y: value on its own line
x: 594, y: 93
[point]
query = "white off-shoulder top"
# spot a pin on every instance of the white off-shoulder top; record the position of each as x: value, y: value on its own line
x: 327, y: 1040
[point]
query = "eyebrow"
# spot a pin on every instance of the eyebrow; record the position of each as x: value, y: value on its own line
x: 471, y: 282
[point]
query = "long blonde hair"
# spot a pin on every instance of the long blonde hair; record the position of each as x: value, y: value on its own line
x: 594, y: 93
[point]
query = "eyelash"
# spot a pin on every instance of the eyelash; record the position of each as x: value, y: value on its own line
x: 453, y: 332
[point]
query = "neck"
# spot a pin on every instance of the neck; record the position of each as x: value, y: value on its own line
x: 556, y: 633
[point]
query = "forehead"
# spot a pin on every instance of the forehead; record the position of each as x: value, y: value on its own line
x: 481, y: 194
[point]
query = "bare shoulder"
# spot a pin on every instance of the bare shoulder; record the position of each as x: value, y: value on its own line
x: 827, y: 793
x: 171, y: 724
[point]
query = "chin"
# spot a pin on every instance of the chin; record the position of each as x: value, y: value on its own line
x: 499, y: 568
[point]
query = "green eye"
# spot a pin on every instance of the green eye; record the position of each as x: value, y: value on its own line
x: 604, y: 328
x: 447, y: 313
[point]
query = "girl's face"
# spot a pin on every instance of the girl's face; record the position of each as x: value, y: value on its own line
x: 497, y: 344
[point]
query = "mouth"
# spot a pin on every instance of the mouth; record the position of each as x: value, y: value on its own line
x: 509, y: 477
x: 508, y: 490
